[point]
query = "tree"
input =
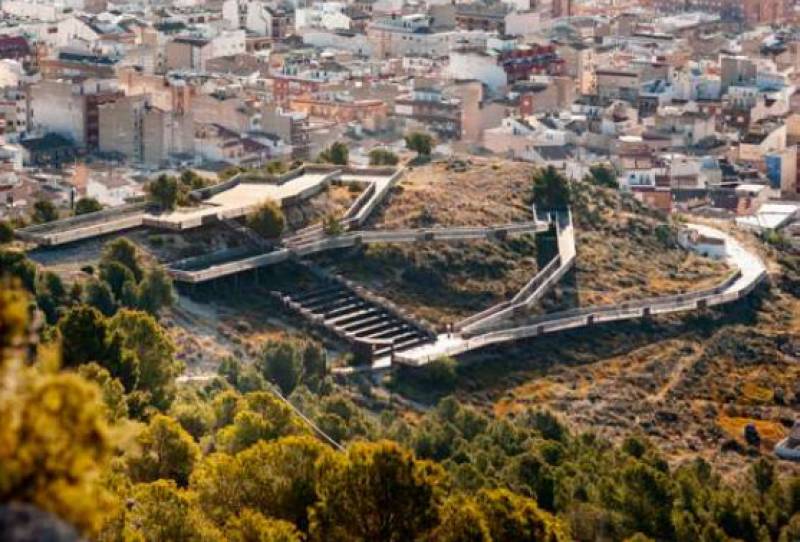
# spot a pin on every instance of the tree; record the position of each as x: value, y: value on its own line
x: 763, y: 472
x: 16, y: 265
x: 50, y: 295
x: 460, y: 520
x: 647, y: 500
x: 55, y: 441
x: 153, y: 350
x: 87, y: 205
x: 281, y: 363
x: 268, y: 220
x: 421, y: 143
x: 112, y: 390
x: 192, y: 180
x: 6, y: 232
x: 337, y: 153
x: 164, y: 192
x: 551, y: 189
x: 276, y: 479
x: 377, y: 491
x: 262, y: 417
x: 166, y: 450
x: 603, y: 175
x: 123, y: 252
x: 84, y: 333
x: 116, y: 276
x: 44, y: 211
x: 161, y: 512
x: 314, y: 364
x: 513, y: 518
x: 251, y: 526
x: 156, y: 291
x: 98, y: 295
x: 382, y: 157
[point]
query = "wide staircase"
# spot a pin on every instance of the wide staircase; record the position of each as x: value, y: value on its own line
x: 370, y: 327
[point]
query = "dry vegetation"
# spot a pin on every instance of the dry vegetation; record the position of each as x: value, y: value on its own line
x: 691, y: 383
x: 333, y: 201
x: 620, y: 254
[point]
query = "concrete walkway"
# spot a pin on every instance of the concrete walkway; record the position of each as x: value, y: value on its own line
x: 750, y: 271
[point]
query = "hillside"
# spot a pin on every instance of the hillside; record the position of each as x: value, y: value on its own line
x: 625, y: 251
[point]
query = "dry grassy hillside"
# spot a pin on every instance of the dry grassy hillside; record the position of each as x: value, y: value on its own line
x: 624, y: 250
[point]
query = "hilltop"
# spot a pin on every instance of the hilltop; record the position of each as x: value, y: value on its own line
x: 625, y: 250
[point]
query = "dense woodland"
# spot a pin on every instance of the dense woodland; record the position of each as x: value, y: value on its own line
x: 97, y: 432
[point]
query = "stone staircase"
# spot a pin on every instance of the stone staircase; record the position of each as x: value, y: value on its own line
x: 374, y: 331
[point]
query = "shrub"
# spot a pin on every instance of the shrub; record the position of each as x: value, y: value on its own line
x: 268, y: 220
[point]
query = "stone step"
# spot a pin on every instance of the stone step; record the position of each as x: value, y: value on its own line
x: 302, y: 297
x: 347, y: 308
x: 363, y: 324
x: 330, y: 304
x: 358, y: 315
x: 393, y: 328
x: 376, y: 326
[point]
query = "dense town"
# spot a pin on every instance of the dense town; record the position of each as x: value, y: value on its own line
x: 391, y: 270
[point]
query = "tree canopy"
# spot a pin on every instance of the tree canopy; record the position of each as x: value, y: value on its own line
x: 87, y: 205
x: 268, y: 220
x: 420, y: 142
x: 337, y: 153
x: 551, y: 190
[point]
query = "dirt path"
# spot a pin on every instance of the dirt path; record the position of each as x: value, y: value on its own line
x: 684, y: 363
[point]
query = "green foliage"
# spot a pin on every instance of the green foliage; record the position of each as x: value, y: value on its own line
x: 268, y: 220
x: 287, y: 363
x: 513, y: 518
x: 98, y: 295
x: 44, y: 211
x: 87, y: 205
x: 276, y: 479
x: 551, y: 190
x: 262, y: 417
x: 161, y: 512
x: 84, y: 331
x: 461, y: 520
x: 153, y: 351
x: 332, y: 226
x: 124, y: 253
x: 602, y: 175
x: 15, y: 265
x: 251, y: 526
x: 393, y: 496
x: 230, y: 172
x: 419, y: 142
x: 53, y: 437
x: 382, y: 157
x: 165, y: 451
x: 167, y: 192
x: 129, y: 285
x: 116, y: 276
x: 192, y: 180
x: 112, y: 390
x: 337, y: 153
x: 245, y: 378
x: 275, y: 167
x: 50, y: 295
x: 6, y: 232
x: 155, y: 291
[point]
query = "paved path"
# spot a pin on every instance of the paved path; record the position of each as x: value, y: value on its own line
x: 751, y: 271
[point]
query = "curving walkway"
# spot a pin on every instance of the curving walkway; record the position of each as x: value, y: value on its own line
x: 750, y: 271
